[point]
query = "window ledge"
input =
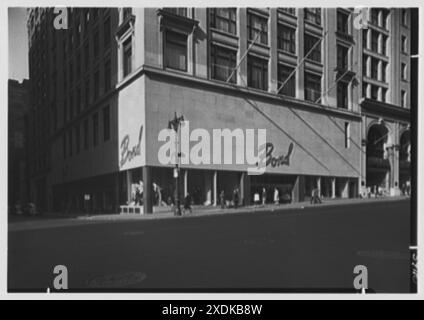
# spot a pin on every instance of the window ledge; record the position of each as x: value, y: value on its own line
x: 169, y: 18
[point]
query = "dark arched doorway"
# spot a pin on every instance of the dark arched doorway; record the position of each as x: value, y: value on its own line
x: 378, y: 166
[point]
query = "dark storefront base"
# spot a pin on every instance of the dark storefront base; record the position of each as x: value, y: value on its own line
x: 105, y: 194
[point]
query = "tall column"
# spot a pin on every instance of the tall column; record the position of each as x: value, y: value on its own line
x: 273, y: 76
x: 319, y: 185
x: 241, y: 27
x: 208, y: 188
x: 215, y: 188
x: 245, y: 196
x: 298, y: 193
x: 300, y: 73
x: 200, y: 47
x: 185, y: 182
x: 129, y: 183
x: 147, y: 190
x: 333, y: 188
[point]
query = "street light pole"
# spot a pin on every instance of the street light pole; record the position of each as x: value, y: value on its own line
x: 175, y: 124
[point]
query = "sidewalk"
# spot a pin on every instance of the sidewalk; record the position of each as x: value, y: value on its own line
x: 165, y: 212
x: 59, y: 219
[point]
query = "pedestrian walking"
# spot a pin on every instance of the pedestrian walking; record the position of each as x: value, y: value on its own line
x: 236, y: 198
x: 263, y: 196
x: 313, y: 196
x: 276, y: 196
x: 137, y: 196
x: 222, y: 199
x: 187, y: 203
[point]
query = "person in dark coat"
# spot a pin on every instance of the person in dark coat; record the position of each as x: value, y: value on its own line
x: 236, y: 198
x: 187, y: 203
x: 222, y: 199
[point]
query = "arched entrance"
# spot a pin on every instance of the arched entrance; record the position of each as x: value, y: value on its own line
x: 405, y: 160
x: 378, y: 165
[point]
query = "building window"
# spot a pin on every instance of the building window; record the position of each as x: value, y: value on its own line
x: 127, y: 56
x: 106, y: 32
x: 374, y: 92
x: 342, y: 95
x: 404, y: 17
x: 312, y: 87
x: 347, y: 135
x: 291, y: 11
x: 224, y: 19
x: 404, y: 72
x: 384, y: 45
x: 126, y: 12
x: 96, y: 84
x: 257, y: 73
x: 383, y: 94
x: 175, y: 50
x: 374, y: 68
x: 403, y: 98
x: 106, y: 123
x: 364, y: 90
x: 311, y: 42
x: 342, y: 22
x: 374, y: 16
x: 107, y: 75
x: 374, y: 41
x: 223, y: 63
x: 342, y: 57
x: 365, y: 39
x: 77, y: 139
x: 313, y: 15
x: 257, y: 25
x: 289, y: 88
x: 385, y: 18
x: 286, y: 39
x: 404, y: 45
x: 86, y: 134
x: 384, y: 71
x: 95, y: 129
x: 177, y: 11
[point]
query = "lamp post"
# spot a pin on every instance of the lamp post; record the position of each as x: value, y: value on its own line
x: 175, y: 124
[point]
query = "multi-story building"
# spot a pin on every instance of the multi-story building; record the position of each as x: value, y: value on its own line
x: 330, y: 96
x: 18, y: 178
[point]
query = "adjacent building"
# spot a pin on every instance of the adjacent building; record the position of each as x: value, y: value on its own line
x: 18, y: 176
x: 334, y: 100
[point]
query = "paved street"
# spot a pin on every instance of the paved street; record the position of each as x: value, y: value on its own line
x: 311, y: 248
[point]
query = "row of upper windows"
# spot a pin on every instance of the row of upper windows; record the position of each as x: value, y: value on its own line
x: 82, y: 96
x: 82, y: 131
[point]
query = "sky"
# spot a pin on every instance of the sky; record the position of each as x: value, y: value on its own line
x: 18, y: 44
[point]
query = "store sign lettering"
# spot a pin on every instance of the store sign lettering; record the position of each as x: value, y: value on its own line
x: 128, y: 153
x: 280, y: 160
